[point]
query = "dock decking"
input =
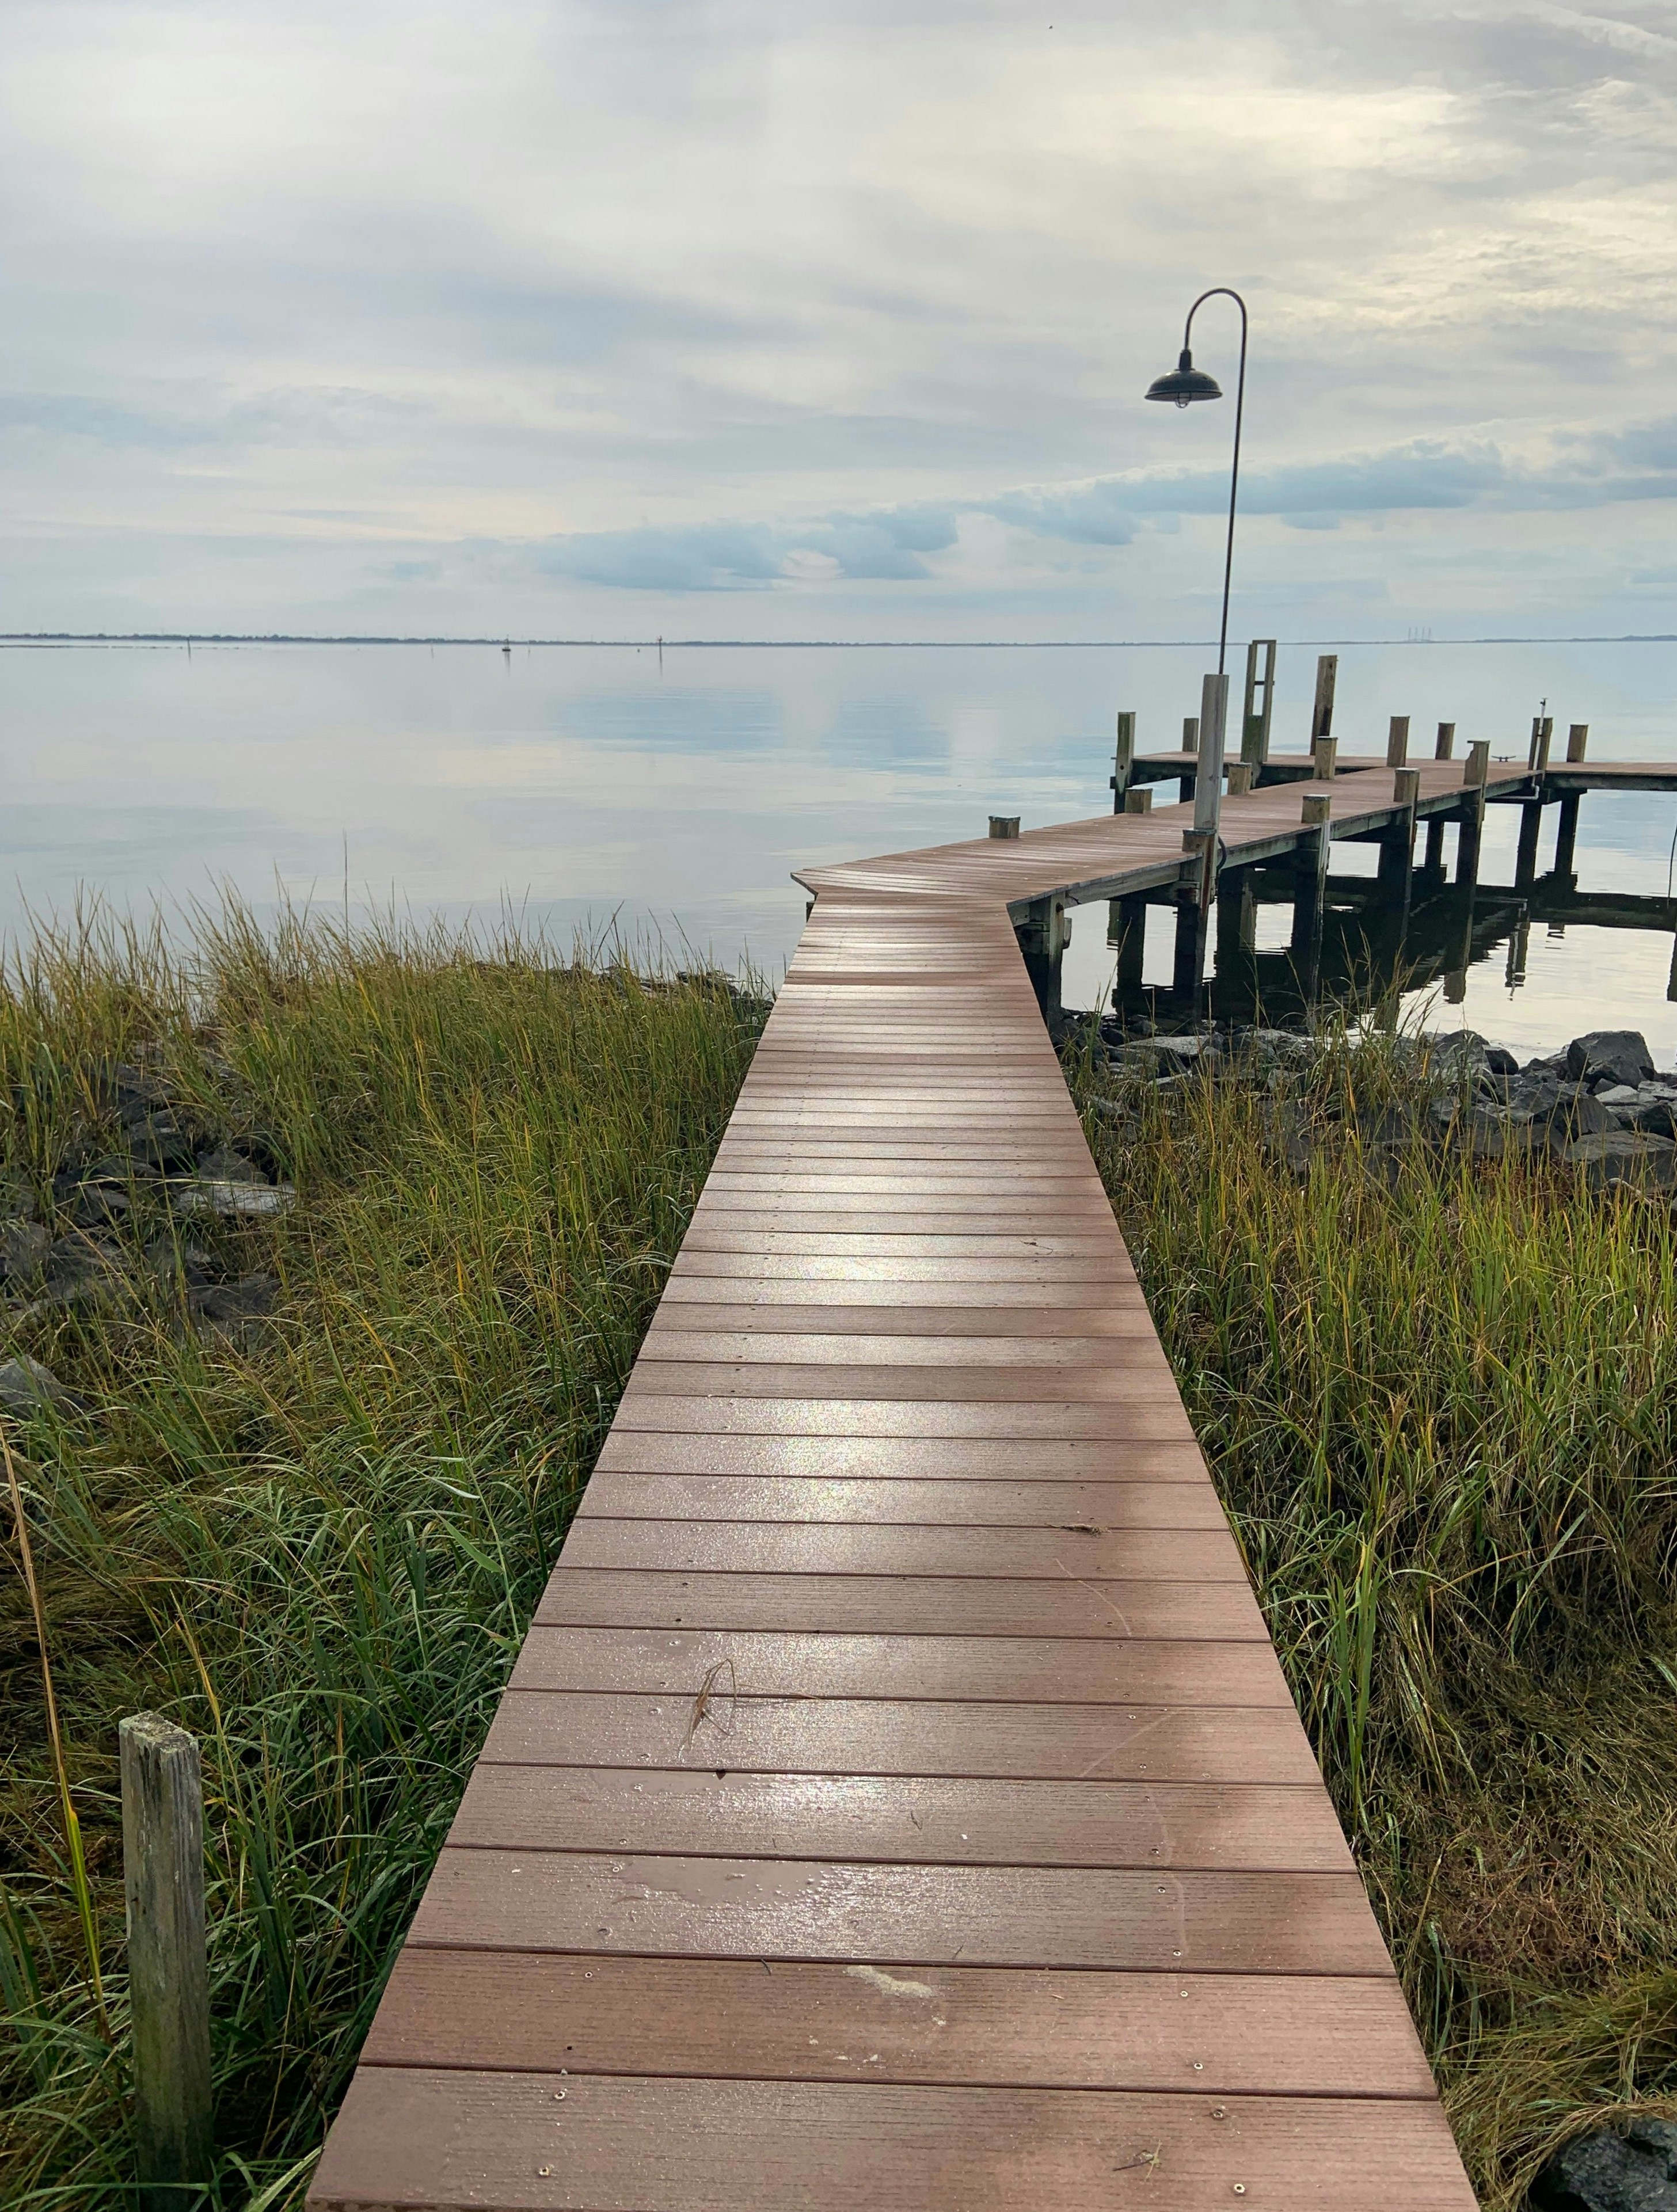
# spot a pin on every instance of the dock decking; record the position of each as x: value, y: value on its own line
x: 898, y: 1804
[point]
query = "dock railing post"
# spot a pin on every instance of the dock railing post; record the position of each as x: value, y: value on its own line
x: 1475, y: 771
x: 1321, y: 711
x: 1397, y: 741
x: 1241, y: 774
x: 1325, y: 753
x: 1444, y: 749
x: 1123, y: 759
x: 1397, y: 844
x: 1576, y: 739
x: 1254, y: 720
x: 168, y: 1980
x: 1208, y: 790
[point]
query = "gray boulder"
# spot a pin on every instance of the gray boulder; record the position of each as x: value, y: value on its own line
x: 1625, y: 1156
x: 1631, y: 2170
x: 1460, y: 1052
x: 236, y: 1312
x: 1609, y: 1055
x: 1578, y: 1113
x: 23, y: 1248
x: 26, y: 1386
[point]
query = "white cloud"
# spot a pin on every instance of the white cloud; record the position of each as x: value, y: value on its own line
x: 421, y: 314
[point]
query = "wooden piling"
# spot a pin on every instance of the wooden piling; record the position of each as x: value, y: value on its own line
x: 1525, y: 858
x: 1397, y: 741
x: 1325, y: 753
x: 162, y: 1851
x: 1241, y: 772
x: 1477, y: 766
x: 1445, y: 748
x: 1321, y: 713
x: 1544, y: 736
x: 1208, y: 790
x: 1397, y: 844
x: 1123, y: 759
x: 1577, y: 737
x: 1138, y: 799
x: 1004, y: 825
x: 1126, y: 932
x: 1567, y: 836
x: 1190, y: 734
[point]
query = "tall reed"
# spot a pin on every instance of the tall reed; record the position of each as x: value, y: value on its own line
x: 1439, y: 1396
x: 319, y: 1551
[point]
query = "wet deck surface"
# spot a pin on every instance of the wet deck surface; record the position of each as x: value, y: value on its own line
x: 897, y: 1802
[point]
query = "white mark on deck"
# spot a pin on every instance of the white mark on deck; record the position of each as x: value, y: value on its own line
x: 877, y: 1979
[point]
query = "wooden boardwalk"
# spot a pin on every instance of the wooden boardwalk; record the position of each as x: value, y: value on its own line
x: 898, y: 1804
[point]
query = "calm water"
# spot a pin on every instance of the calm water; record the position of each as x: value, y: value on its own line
x: 586, y: 785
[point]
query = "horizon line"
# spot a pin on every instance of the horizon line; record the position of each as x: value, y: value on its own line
x: 781, y: 644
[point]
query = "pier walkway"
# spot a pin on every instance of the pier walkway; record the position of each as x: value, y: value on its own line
x: 898, y: 1804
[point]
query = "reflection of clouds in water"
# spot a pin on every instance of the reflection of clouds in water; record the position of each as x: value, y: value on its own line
x: 582, y: 782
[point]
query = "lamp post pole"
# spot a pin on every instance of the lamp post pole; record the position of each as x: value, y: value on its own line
x: 1183, y: 385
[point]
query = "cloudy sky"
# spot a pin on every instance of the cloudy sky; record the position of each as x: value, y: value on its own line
x: 832, y: 318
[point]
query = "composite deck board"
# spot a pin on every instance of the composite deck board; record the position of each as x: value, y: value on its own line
x: 897, y: 1801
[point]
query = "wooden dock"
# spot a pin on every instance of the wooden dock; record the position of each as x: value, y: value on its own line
x: 898, y: 1804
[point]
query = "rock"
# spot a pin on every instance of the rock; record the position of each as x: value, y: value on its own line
x: 233, y: 1201
x: 1536, y: 1091
x: 98, y: 1206
x: 1658, y: 1118
x: 1631, y: 2170
x: 1617, y: 1097
x: 1620, y: 1056
x: 23, y: 1248
x: 26, y: 1386
x: 1459, y: 1052
x: 1625, y: 1156
x: 1501, y: 1061
x: 158, y: 1140
x: 179, y: 1266
x: 225, y: 1165
x: 1578, y: 1113
x: 82, y: 1272
x: 234, y: 1311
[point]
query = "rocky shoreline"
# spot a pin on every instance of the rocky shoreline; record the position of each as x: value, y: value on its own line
x: 1599, y: 1104
x: 111, y: 1227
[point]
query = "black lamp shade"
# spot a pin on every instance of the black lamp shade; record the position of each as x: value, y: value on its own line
x: 1185, y: 384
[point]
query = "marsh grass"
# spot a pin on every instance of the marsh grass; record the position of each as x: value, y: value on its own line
x: 1439, y: 1396
x: 318, y: 1553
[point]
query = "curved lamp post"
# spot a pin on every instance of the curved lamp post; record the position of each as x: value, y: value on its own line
x: 1184, y: 384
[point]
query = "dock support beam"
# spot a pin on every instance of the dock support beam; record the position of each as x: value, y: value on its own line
x: 1309, y: 898
x: 1525, y: 858
x: 1566, y: 836
x: 1126, y: 933
x: 1043, y: 936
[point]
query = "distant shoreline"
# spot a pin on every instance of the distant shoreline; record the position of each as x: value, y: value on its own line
x: 786, y: 644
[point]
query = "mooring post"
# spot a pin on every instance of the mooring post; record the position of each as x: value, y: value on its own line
x: 1138, y: 799
x: 1325, y: 753
x: 1544, y: 736
x: 1124, y: 760
x: 1004, y: 825
x: 168, y: 1979
x: 1208, y: 792
x: 1566, y: 837
x: 1321, y: 711
x: 1397, y: 844
x: 1255, y: 718
x: 1241, y: 774
x: 1397, y: 741
x: 1444, y: 749
x: 1577, y: 737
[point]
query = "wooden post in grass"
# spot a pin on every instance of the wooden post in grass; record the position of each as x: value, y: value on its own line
x: 168, y: 1979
